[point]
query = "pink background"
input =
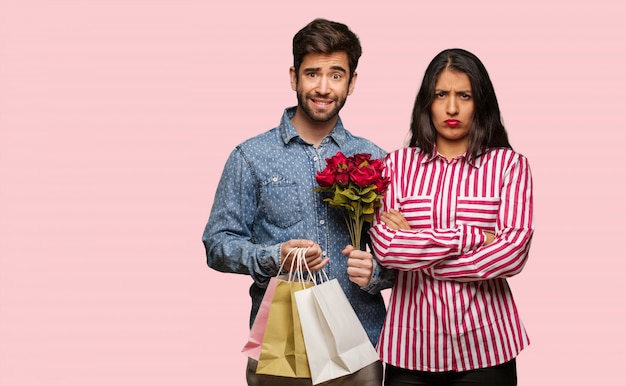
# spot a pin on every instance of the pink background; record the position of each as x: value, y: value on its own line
x: 116, y: 118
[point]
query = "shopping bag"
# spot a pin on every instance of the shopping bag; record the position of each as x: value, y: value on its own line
x: 336, y: 342
x: 282, y: 350
x: 253, y: 346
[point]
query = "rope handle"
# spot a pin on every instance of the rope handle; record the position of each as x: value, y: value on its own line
x: 297, y: 272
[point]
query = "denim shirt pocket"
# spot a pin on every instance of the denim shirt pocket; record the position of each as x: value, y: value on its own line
x: 280, y: 201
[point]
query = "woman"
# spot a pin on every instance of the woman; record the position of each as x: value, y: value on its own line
x: 456, y: 222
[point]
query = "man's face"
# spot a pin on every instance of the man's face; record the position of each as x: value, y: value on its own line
x: 322, y: 85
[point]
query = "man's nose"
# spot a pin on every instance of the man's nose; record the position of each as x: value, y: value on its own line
x: 323, y: 85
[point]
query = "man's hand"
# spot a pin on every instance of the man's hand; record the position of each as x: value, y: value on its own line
x: 360, y: 265
x: 313, y: 255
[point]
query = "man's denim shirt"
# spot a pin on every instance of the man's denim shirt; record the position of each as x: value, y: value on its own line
x: 265, y: 197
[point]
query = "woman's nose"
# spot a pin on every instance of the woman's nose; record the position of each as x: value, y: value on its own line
x: 452, y: 107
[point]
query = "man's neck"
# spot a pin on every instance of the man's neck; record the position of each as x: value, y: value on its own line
x: 312, y: 131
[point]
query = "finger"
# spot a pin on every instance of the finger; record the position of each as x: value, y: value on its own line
x: 301, y: 243
x: 388, y: 218
x: 314, y: 251
x: 313, y: 261
x: 391, y: 224
x: 359, y: 255
x: 348, y: 249
x: 320, y: 265
x: 359, y: 272
x: 356, y: 254
x: 360, y: 263
x: 360, y: 277
x: 398, y: 219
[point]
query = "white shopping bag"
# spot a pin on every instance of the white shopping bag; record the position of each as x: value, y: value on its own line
x: 336, y: 342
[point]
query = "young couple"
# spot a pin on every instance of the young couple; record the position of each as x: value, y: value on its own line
x: 455, y: 223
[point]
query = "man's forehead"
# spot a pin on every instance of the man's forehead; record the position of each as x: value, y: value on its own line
x: 335, y: 60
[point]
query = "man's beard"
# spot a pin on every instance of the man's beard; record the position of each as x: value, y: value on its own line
x: 319, y: 117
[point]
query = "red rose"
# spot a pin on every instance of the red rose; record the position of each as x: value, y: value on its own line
x: 337, y: 161
x: 338, y: 166
x: 342, y: 176
x: 325, y: 178
x: 364, y: 176
x: 360, y: 158
x: 382, y: 184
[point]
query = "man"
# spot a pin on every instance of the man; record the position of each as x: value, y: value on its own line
x: 265, y: 205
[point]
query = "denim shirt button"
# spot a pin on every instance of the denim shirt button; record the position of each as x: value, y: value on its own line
x: 322, y: 222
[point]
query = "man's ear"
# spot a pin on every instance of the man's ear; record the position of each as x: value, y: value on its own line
x: 293, y: 78
x: 352, y: 83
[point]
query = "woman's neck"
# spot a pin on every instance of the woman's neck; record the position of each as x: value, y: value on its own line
x: 451, y: 149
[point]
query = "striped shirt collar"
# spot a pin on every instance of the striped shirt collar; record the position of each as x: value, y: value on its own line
x: 476, y: 162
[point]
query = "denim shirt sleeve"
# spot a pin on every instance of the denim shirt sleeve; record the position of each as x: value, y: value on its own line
x: 228, y: 237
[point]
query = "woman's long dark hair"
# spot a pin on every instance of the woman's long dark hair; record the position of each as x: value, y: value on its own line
x: 487, y: 130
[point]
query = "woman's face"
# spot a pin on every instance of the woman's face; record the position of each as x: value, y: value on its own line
x: 452, y: 110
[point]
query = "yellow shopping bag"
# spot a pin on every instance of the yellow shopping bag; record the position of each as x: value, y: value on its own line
x: 283, y: 352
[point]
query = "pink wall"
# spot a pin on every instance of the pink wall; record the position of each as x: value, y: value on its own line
x: 116, y: 118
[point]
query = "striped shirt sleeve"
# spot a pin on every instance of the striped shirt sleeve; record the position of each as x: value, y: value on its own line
x: 507, y: 254
x: 449, y: 245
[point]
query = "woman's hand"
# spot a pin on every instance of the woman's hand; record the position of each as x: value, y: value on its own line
x: 395, y: 220
x: 490, y: 237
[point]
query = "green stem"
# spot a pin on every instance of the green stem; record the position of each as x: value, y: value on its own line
x: 355, y: 227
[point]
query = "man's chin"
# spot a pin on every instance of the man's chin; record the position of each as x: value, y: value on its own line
x: 322, y: 116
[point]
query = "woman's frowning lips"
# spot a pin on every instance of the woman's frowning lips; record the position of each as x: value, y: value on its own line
x: 452, y: 122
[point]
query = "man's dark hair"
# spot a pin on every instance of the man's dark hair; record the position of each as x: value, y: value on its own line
x: 326, y: 37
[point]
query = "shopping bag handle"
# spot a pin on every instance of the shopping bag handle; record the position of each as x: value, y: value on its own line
x: 297, y: 273
x: 317, y: 276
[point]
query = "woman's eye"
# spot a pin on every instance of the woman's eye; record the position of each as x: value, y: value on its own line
x: 440, y: 94
x: 466, y: 96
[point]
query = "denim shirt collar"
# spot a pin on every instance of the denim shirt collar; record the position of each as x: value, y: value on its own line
x: 289, y: 132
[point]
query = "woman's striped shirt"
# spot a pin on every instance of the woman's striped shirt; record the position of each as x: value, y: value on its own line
x: 451, y: 308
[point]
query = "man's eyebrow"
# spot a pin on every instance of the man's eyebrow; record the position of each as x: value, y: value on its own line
x: 334, y: 68
x: 339, y: 68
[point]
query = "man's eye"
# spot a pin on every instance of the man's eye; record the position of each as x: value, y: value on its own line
x: 336, y: 76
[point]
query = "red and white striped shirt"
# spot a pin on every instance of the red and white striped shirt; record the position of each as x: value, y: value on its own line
x: 451, y: 308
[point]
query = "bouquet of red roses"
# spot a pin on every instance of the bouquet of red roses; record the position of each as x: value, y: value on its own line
x: 355, y: 184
